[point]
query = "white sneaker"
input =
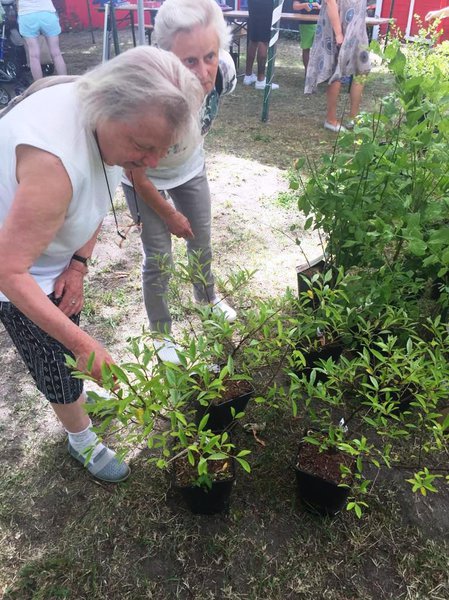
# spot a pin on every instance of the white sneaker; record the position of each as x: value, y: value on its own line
x: 260, y: 85
x: 335, y: 128
x: 222, y: 308
x: 249, y: 79
x: 167, y: 351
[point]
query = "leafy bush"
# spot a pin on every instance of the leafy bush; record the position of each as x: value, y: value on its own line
x: 381, y: 199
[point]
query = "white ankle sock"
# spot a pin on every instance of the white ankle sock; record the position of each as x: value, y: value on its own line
x: 85, y: 440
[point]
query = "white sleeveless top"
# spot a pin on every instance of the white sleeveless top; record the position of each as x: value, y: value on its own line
x: 51, y: 120
x: 30, y: 6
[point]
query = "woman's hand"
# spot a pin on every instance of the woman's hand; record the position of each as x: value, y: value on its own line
x: 308, y: 6
x: 339, y: 39
x: 70, y: 287
x: 83, y: 355
x: 437, y: 14
x: 179, y: 225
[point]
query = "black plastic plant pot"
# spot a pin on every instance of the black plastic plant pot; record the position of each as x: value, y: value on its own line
x: 332, y: 350
x: 220, y: 415
x: 208, y: 501
x: 436, y: 288
x: 308, y: 271
x: 316, y: 494
x: 402, y: 400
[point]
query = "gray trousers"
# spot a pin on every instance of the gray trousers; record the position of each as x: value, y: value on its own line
x: 192, y: 199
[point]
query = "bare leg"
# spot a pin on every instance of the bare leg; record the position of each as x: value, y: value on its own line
x: 34, y: 52
x: 250, y: 57
x: 333, y: 92
x: 73, y: 416
x: 262, y: 53
x: 305, y: 59
x: 355, y: 98
x: 53, y: 46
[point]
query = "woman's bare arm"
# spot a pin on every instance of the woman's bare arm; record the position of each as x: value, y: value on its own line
x: 334, y: 18
x: 37, y: 212
x: 176, y: 222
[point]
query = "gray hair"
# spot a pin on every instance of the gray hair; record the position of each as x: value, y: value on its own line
x: 183, y: 15
x: 139, y: 80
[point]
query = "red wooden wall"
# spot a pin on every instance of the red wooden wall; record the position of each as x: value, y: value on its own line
x: 75, y: 13
x: 401, y: 11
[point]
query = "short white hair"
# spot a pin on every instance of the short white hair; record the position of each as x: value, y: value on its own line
x: 142, y: 79
x: 175, y: 16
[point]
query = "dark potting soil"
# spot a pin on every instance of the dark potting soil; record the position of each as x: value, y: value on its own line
x: 233, y: 389
x: 324, y: 464
x: 186, y: 474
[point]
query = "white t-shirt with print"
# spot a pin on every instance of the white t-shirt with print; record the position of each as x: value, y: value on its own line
x: 185, y: 160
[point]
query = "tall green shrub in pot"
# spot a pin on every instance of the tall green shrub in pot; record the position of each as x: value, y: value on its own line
x: 381, y: 198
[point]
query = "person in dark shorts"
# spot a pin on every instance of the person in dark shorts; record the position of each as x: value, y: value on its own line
x: 63, y: 145
x: 259, y: 29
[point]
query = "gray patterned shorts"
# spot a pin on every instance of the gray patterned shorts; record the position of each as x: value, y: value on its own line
x: 42, y: 354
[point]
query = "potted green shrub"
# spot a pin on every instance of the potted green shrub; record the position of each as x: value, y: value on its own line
x: 154, y: 404
x: 359, y: 410
x: 324, y: 321
x: 204, y: 470
x: 324, y: 474
x: 380, y: 198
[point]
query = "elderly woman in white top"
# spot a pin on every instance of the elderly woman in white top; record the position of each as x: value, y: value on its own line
x: 38, y: 17
x: 196, y: 32
x: 62, y: 151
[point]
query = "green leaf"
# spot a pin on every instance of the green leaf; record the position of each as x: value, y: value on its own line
x: 293, y: 184
x: 118, y: 373
x: 243, y: 453
x: 417, y: 247
x: 364, y: 156
x: 299, y: 163
x: 243, y: 464
x: 217, y: 456
x: 90, y: 362
x: 308, y: 224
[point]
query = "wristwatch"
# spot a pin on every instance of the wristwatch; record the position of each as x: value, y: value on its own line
x: 81, y: 259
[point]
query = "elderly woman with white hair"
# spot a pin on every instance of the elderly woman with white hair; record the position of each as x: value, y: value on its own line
x: 63, y: 147
x: 196, y: 32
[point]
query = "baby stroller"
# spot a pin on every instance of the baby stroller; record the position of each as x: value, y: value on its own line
x: 13, y: 69
x: 7, y: 70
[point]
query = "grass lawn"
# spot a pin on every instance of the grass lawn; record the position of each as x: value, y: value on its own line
x: 64, y: 535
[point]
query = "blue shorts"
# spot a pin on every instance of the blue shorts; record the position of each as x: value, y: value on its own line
x: 33, y: 24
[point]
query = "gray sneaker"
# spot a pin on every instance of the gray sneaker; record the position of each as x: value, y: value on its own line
x: 104, y: 466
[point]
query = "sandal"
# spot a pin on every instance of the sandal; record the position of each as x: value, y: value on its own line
x: 104, y: 466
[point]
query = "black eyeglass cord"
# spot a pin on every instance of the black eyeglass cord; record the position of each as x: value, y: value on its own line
x: 139, y: 220
x: 119, y: 233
